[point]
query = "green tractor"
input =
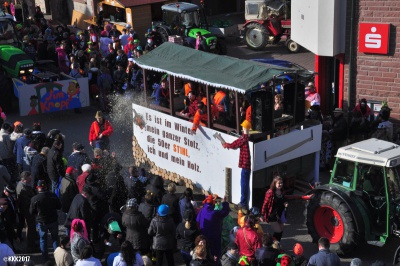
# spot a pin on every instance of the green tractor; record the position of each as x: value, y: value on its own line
x: 14, y: 63
x: 13, y: 60
x: 185, y: 20
x: 361, y: 203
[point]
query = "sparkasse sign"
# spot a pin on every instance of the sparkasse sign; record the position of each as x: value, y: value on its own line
x: 374, y: 38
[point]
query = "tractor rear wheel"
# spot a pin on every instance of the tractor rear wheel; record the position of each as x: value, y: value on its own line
x: 329, y: 216
x: 164, y: 34
x: 256, y: 36
x: 292, y: 46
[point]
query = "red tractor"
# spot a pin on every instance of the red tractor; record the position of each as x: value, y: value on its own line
x: 267, y: 21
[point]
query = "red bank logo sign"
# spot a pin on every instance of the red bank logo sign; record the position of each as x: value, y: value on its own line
x: 374, y: 38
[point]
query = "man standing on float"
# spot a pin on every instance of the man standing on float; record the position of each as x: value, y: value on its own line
x: 244, y: 162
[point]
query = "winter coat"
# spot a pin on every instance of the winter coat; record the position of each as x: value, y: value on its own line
x: 95, y: 130
x: 136, y: 229
x: 198, y: 262
x: 81, y: 181
x: 19, y: 148
x: 6, y: 148
x: 339, y: 128
x: 119, y: 193
x: 5, y: 176
x: 156, y: 186
x: 229, y: 260
x: 39, y: 168
x: 63, y: 62
x: 324, y: 257
x: 40, y: 138
x: 162, y: 229
x: 136, y: 188
x: 173, y: 203
x: 98, y: 202
x: 80, y: 208
x: 68, y: 191
x: 187, y: 235
x: 24, y: 198
x: 78, y: 242
x: 148, y: 210
x: 266, y: 256
x: 55, y: 165
x: 185, y: 204
x: 45, y: 205
x: 248, y: 241
x: 77, y: 159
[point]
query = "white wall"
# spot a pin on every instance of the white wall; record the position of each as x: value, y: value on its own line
x: 319, y: 26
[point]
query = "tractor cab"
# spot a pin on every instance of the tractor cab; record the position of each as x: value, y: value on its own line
x: 8, y: 33
x: 182, y: 14
x: 370, y: 169
x: 264, y: 9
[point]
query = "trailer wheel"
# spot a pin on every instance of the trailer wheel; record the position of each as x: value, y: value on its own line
x: 256, y: 36
x: 292, y: 46
x: 163, y: 33
x: 221, y: 48
x: 329, y: 216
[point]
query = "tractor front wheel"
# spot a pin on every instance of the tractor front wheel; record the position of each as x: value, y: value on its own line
x: 292, y: 46
x: 329, y: 216
x: 256, y: 36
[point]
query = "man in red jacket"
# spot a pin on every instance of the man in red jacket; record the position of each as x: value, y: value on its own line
x: 100, y: 132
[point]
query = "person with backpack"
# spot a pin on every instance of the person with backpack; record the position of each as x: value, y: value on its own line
x: 69, y: 189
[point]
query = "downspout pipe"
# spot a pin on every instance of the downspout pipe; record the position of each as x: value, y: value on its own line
x: 351, y: 54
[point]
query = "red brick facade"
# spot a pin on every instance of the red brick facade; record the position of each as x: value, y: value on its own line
x: 375, y: 77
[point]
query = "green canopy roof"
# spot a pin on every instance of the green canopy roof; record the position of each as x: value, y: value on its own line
x: 211, y: 69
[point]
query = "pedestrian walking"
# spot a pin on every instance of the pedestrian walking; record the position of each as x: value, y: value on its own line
x: 45, y: 205
x: 274, y: 206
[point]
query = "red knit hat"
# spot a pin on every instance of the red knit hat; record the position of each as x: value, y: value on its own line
x: 298, y: 249
x: 70, y: 170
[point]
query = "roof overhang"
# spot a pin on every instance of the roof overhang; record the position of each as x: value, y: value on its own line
x: 214, y: 70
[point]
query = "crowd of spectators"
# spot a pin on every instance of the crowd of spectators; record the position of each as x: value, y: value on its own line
x: 102, y: 207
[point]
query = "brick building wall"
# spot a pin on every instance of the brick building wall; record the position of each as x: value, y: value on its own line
x: 376, y: 77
